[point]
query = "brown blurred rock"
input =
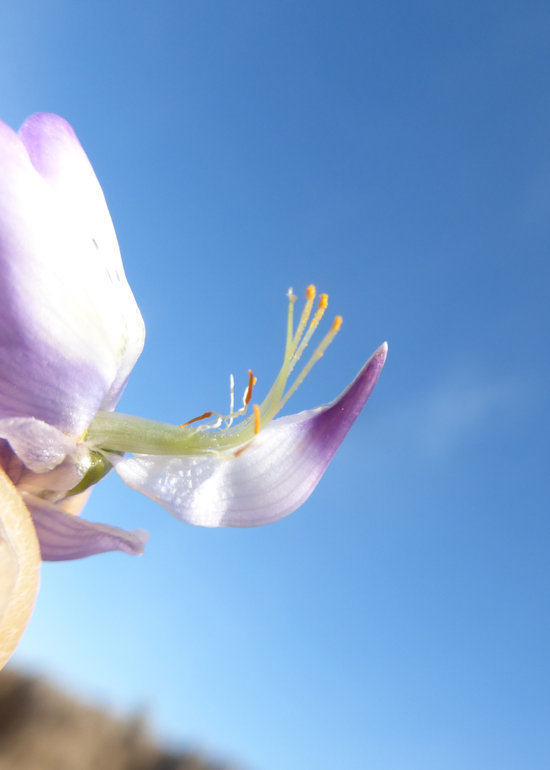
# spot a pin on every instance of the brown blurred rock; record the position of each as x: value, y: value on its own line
x: 43, y: 729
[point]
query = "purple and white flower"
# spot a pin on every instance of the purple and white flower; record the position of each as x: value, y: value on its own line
x: 70, y: 334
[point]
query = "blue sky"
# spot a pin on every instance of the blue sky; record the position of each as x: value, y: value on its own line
x: 395, y: 154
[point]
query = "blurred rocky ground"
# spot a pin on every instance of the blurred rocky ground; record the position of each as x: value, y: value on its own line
x: 41, y: 728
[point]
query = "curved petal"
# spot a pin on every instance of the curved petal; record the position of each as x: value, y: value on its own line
x: 19, y: 567
x: 70, y: 330
x: 269, y: 479
x: 63, y: 536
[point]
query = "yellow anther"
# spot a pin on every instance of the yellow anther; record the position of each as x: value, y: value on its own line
x: 311, y: 292
x: 256, y: 409
x: 323, y: 301
x: 337, y: 323
x: 81, y: 438
x: 196, y: 419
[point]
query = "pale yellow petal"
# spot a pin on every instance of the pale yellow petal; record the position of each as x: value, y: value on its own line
x: 19, y: 567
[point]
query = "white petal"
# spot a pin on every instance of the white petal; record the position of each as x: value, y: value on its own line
x: 70, y: 329
x: 40, y: 446
x: 272, y: 477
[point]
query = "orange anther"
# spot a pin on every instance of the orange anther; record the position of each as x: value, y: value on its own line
x: 256, y: 409
x: 311, y: 292
x: 251, y: 383
x: 239, y: 452
x: 196, y: 419
x: 323, y: 301
x: 337, y: 323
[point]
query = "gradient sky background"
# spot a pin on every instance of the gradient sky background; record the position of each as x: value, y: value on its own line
x: 397, y: 155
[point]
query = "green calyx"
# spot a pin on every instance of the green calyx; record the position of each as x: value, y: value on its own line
x: 98, y: 468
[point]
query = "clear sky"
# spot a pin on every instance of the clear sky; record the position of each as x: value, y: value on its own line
x: 396, y: 154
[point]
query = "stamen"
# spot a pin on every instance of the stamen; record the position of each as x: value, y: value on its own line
x: 248, y: 392
x: 304, y: 318
x: 314, y: 323
x: 82, y: 437
x: 196, y: 419
x: 256, y: 409
x: 316, y: 355
x: 290, y: 322
x: 276, y: 397
x: 122, y: 433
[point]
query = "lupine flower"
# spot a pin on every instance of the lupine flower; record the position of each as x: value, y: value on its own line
x: 70, y: 333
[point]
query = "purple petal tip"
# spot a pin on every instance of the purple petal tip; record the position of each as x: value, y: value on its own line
x: 63, y: 536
